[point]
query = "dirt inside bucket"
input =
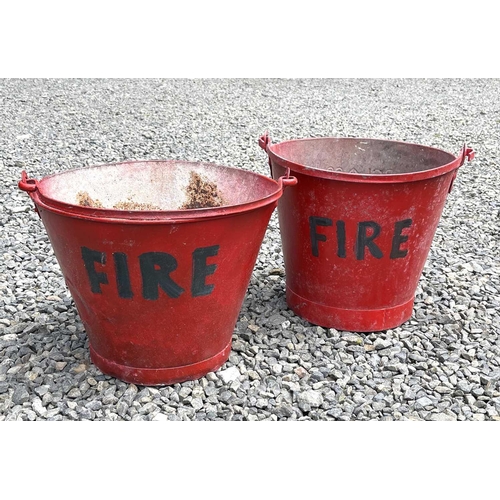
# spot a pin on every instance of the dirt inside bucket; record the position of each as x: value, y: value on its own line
x: 133, y: 205
x: 83, y: 199
x: 202, y: 193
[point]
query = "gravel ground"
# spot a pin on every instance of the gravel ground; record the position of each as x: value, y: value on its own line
x: 443, y: 364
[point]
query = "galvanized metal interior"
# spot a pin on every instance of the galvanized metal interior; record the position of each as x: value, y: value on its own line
x: 159, y: 183
x: 362, y: 156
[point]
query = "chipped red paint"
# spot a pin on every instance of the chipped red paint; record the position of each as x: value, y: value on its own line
x: 357, y: 228
x: 158, y: 292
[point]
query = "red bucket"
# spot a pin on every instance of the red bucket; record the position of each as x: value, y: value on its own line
x: 158, y: 286
x: 358, y: 226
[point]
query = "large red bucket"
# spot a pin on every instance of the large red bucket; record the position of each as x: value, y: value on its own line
x: 158, y: 288
x: 358, y: 226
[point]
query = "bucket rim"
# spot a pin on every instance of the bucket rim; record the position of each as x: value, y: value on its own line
x: 112, y: 215
x: 294, y: 167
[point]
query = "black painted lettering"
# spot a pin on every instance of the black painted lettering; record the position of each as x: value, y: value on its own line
x: 315, y: 237
x: 341, y: 239
x: 122, y: 276
x: 90, y: 257
x: 398, y: 239
x: 201, y: 270
x: 367, y: 241
x: 155, y: 269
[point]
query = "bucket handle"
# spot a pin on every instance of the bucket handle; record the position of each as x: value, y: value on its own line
x: 466, y: 153
x: 287, y: 180
x: 28, y: 185
x: 264, y: 142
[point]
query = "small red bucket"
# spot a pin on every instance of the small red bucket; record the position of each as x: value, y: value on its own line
x: 158, y: 286
x: 358, y: 226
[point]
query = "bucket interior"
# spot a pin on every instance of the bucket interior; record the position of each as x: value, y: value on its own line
x: 154, y: 185
x: 361, y: 156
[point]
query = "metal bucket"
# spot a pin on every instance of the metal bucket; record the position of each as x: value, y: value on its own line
x: 357, y: 228
x: 158, y: 286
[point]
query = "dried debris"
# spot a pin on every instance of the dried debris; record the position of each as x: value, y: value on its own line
x: 83, y: 199
x: 202, y: 193
x: 132, y: 205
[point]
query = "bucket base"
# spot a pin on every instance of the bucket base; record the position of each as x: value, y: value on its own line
x: 353, y: 320
x: 160, y: 376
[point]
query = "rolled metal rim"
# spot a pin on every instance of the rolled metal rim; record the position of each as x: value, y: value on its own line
x: 35, y: 191
x: 309, y: 170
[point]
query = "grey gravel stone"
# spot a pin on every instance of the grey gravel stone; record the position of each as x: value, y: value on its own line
x: 197, y: 403
x: 424, y: 401
x: 122, y: 408
x: 160, y: 417
x: 443, y: 417
x: 229, y: 374
x: 38, y: 407
x: 20, y: 395
x: 381, y: 343
x: 464, y: 386
x: 309, y: 399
